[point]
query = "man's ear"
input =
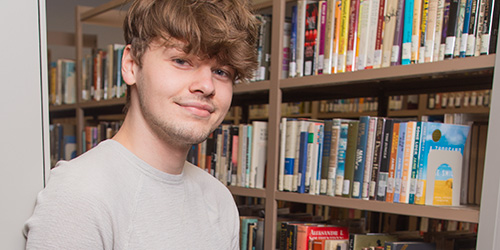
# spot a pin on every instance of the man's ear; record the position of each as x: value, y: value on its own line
x: 129, y: 66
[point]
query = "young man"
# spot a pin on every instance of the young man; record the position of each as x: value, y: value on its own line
x: 136, y: 191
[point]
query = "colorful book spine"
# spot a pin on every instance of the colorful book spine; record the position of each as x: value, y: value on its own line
x: 444, y: 30
x: 372, y: 36
x: 310, y: 37
x: 460, y: 25
x: 292, y: 68
x: 451, y: 30
x: 302, y: 165
x: 404, y: 195
x: 398, y: 34
x: 377, y: 56
x: 407, y: 32
x: 301, y: 32
x: 415, y: 37
x: 320, y: 48
x: 363, y: 32
x: 336, y: 36
x: 473, y: 23
x: 465, y: 30
x: 389, y: 29
x: 430, y: 32
x: 359, y: 166
x: 350, y: 159
x: 329, y: 36
x: 423, y: 29
x: 399, y: 162
x: 325, y: 161
x: 391, y: 180
x: 352, y: 38
x: 377, y: 157
x: 414, y: 164
x: 341, y: 158
x: 343, y: 36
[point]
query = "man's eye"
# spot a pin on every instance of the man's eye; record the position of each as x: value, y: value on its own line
x: 221, y: 72
x: 181, y: 61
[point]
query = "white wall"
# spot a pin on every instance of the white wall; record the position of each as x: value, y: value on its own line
x: 23, y: 113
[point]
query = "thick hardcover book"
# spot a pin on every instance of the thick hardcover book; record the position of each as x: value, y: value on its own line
x: 359, y: 165
x: 430, y: 32
x: 320, y: 39
x: 486, y: 27
x: 373, y: 33
x: 339, y: 175
x: 414, y: 163
x: 415, y: 38
x: 350, y: 159
x: 473, y: 24
x: 329, y: 36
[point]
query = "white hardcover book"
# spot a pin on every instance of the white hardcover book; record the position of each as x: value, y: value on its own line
x: 301, y: 29
x: 281, y: 170
x: 363, y: 33
x: 370, y: 145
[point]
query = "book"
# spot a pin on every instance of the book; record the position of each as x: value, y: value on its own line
x: 417, y: 22
x: 326, y: 155
x: 451, y: 29
x: 281, y: 169
x: 470, y: 5
x: 414, y: 163
x: 373, y: 33
x: 301, y: 32
x: 341, y: 156
x: 303, y: 153
x: 391, y: 180
x: 310, y: 232
x: 352, y: 36
x: 370, y: 147
x: 350, y: 158
x: 407, y: 161
x: 292, y: 67
x: 291, y: 128
x: 473, y: 27
x: 359, y: 165
x: 389, y: 29
x: 487, y: 27
x: 383, y: 173
x: 258, y: 154
x: 398, y: 171
x: 329, y: 34
x: 362, y: 240
x: 364, y: 30
x: 408, y: 18
x: 440, y: 165
x: 320, y: 39
x: 398, y: 34
x: 343, y: 35
x: 310, y: 37
x: 377, y: 56
x: 377, y: 157
x: 440, y: 21
x: 409, y: 245
x: 333, y: 159
x: 460, y: 25
x: 316, y: 157
x: 245, y: 221
x: 423, y: 30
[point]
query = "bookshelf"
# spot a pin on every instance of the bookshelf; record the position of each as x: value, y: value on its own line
x: 462, y: 74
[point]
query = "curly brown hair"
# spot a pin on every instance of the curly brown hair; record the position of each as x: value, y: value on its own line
x: 225, y: 30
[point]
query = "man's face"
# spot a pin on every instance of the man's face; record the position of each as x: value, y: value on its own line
x: 182, y: 97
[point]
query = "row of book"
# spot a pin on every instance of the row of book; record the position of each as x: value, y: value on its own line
x: 378, y: 158
x: 101, y: 74
x: 351, y: 105
x: 62, y: 142
x: 251, y: 233
x: 62, y: 82
x: 334, y: 36
x: 234, y: 154
x: 93, y: 134
x: 480, y: 98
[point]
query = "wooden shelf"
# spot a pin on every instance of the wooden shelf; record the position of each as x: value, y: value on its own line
x: 63, y: 107
x: 249, y: 192
x: 462, y: 213
x: 346, y: 114
x: 103, y: 103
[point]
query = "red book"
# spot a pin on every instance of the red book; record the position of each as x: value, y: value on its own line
x: 309, y: 232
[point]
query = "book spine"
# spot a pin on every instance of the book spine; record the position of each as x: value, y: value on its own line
x: 352, y: 41
x: 304, y: 143
x: 430, y: 32
x: 333, y: 160
x: 336, y: 36
x: 451, y: 30
x: 359, y: 166
x: 471, y: 35
x: 399, y: 162
x: 301, y: 31
x: 365, y: 192
x: 414, y: 164
x: 406, y: 50
x: 292, y: 68
x: 319, y: 140
x: 389, y: 29
x: 341, y: 157
x: 325, y: 157
x: 422, y: 168
x: 391, y: 180
x: 363, y: 34
x: 310, y: 38
x: 343, y: 36
x: 423, y: 29
x: 320, y: 59
x: 385, y: 161
x: 480, y: 26
x: 350, y: 159
x: 398, y: 34
x: 329, y: 36
x: 444, y: 29
x: 298, y: 170
x: 486, y: 30
x: 290, y: 149
x: 407, y: 162
x: 465, y: 29
x: 439, y: 30
x: 377, y: 157
x: 310, y: 157
x: 377, y: 56
x: 415, y: 35
x: 460, y: 25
